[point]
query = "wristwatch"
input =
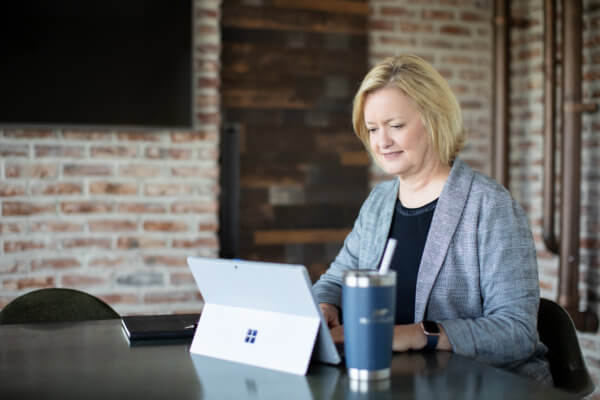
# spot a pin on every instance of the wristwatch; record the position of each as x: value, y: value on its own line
x: 432, y: 332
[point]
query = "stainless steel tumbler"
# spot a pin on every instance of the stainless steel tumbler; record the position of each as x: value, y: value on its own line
x: 368, y: 308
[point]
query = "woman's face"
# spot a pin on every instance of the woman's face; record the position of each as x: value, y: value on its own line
x: 399, y: 141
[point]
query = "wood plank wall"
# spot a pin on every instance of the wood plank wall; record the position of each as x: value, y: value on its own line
x: 290, y: 69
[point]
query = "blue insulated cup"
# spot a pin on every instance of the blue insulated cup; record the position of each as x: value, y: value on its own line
x: 368, y: 307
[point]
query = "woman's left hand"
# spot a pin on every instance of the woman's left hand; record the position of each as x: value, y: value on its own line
x: 412, y: 337
x: 408, y: 337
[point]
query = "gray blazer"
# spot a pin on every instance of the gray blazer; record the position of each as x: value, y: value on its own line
x: 478, y: 275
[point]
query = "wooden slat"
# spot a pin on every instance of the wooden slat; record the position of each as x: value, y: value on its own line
x: 295, y: 20
x: 300, y: 236
x: 336, y: 6
x: 355, y: 158
x: 259, y: 98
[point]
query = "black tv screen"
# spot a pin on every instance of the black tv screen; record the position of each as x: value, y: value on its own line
x: 96, y: 63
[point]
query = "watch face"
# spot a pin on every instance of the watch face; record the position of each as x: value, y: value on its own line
x: 431, y: 328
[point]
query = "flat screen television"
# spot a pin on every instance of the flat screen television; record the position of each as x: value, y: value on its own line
x: 99, y: 63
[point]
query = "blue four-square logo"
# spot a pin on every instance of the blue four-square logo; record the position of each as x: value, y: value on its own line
x: 251, y: 336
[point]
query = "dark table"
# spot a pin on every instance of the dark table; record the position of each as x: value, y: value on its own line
x: 94, y: 360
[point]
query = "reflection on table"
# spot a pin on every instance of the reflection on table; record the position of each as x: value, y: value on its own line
x: 94, y: 360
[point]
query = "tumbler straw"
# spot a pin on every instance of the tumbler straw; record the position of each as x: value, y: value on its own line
x: 387, y: 256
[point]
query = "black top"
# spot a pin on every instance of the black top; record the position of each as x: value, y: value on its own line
x: 409, y: 227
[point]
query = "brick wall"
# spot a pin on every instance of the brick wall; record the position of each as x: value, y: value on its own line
x: 112, y: 212
x: 456, y: 36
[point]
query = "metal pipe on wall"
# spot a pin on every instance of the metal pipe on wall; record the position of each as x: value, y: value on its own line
x: 501, y: 143
x: 568, y: 290
x: 549, y: 234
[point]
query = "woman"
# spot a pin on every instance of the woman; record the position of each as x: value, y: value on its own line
x: 465, y: 261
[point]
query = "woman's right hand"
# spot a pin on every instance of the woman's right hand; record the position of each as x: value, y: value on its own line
x: 331, y: 314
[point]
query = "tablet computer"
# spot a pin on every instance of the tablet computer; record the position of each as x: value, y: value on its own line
x: 260, y: 313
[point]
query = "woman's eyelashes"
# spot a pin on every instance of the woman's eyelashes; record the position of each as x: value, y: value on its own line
x: 373, y: 130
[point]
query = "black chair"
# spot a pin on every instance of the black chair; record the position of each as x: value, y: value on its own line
x: 55, y: 305
x: 557, y: 331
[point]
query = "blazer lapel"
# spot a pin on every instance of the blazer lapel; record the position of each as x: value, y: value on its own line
x: 384, y: 223
x: 443, y: 225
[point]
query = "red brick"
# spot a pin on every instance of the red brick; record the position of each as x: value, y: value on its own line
x: 12, y: 227
x: 195, y: 172
x: 139, y: 170
x: 546, y: 285
x: 86, y: 242
x: 14, y: 150
x: 469, y: 16
x: 529, y: 54
x: 471, y: 105
x: 170, y: 297
x: 208, y: 118
x: 165, y: 226
x: 208, y: 227
x: 166, y: 189
x: 210, y: 67
x: 128, y: 243
x: 127, y: 152
x: 194, y: 207
x: 410, y: 27
x: 54, y: 263
x: 10, y: 267
x: 475, y: 45
x: 204, y: 29
x: 142, y: 208
x: 29, y: 283
x: 455, y: 30
x: 82, y: 280
x: 112, y: 226
x: 58, y: 151
x: 87, y: 170
x: 11, y: 190
x: 204, y: 82
x: 472, y: 74
x: 437, y: 43
x: 208, y: 13
x: 56, y: 226
x: 119, y: 298
x: 207, y: 100
x: 181, y: 278
x: 27, y: 208
x: 458, y: 59
x: 109, y: 262
x: 113, y: 188
x: 30, y: 134
x: 185, y: 137
x: 196, y: 243
x: 60, y: 188
x: 87, y: 136
x: 33, y: 170
x: 392, y: 11
x: 85, y: 207
x: 140, y: 136
x: 12, y: 246
x: 168, y: 153
x: 207, y: 49
x: 397, y: 41
x: 437, y: 15
x: 162, y: 260
x: 208, y: 154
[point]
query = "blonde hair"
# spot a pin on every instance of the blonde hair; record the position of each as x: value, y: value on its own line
x: 417, y: 79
